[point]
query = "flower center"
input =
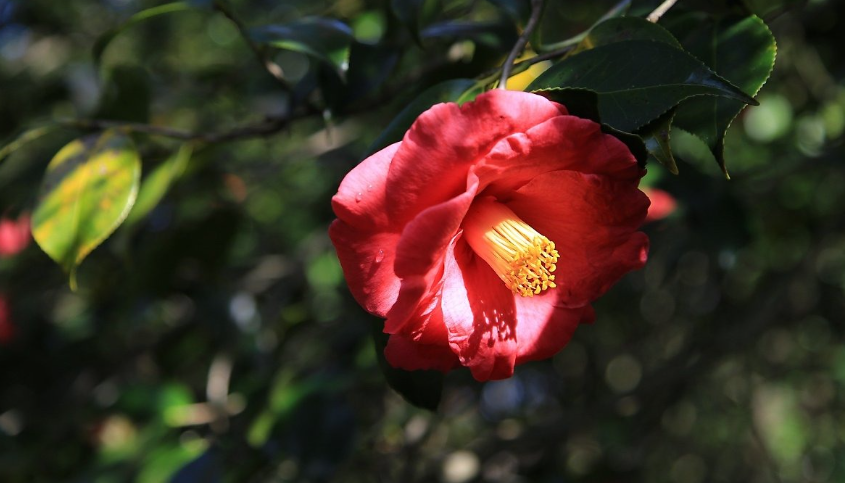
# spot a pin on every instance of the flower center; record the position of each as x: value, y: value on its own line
x: 523, y: 258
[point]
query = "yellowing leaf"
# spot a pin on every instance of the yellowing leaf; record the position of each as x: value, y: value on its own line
x: 88, y: 189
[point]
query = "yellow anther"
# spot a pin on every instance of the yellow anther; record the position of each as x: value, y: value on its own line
x: 523, y: 258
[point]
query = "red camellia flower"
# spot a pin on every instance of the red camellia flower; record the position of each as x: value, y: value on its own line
x: 484, y: 235
x: 662, y: 204
x: 14, y: 235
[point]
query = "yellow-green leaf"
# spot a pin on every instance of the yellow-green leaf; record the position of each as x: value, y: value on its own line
x: 157, y: 183
x: 88, y: 189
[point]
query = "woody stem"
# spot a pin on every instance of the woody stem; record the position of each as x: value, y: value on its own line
x: 536, y: 9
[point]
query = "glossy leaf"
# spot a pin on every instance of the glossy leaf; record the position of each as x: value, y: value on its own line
x: 456, y: 90
x: 105, y: 39
x: 88, y: 189
x: 158, y: 183
x: 637, y: 81
x: 656, y: 138
x: 743, y: 50
x: 420, y: 388
x: 325, y: 39
x: 621, y: 29
x: 547, y: 21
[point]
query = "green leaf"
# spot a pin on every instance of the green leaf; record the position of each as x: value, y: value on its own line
x: 621, y: 29
x: 157, y: 184
x: 456, y: 90
x: 323, y: 38
x: 656, y: 138
x: 420, y: 388
x: 88, y: 189
x: 103, y: 41
x: 637, y: 81
x: 25, y: 138
x: 743, y: 50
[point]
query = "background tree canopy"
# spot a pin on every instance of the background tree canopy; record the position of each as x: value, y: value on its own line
x: 187, y: 320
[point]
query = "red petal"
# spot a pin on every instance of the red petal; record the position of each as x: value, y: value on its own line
x: 367, y: 260
x: 544, y: 327
x: 480, y: 315
x: 431, y: 165
x: 402, y: 352
x: 593, y: 220
x: 360, y: 199
x: 420, y: 255
x: 563, y: 142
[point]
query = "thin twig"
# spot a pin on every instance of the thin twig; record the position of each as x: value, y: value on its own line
x: 271, y: 67
x: 660, y: 10
x: 536, y: 8
x: 519, y: 67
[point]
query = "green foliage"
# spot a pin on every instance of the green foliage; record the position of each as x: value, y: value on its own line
x: 637, y: 80
x: 87, y: 192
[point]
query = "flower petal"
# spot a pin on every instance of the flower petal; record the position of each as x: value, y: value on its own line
x: 563, y: 142
x: 431, y: 165
x: 420, y: 254
x: 360, y: 199
x: 544, y: 327
x: 593, y: 220
x: 480, y: 314
x: 366, y: 258
x: 402, y: 352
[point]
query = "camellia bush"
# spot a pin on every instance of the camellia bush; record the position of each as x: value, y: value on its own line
x: 421, y: 240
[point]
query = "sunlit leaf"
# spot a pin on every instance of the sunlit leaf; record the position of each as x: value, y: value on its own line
x: 105, y: 39
x: 637, y: 81
x: 456, y: 90
x: 742, y: 50
x: 157, y: 184
x: 88, y: 189
x: 325, y: 39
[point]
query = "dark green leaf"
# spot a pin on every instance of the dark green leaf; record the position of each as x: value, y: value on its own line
x: 579, y: 102
x: 88, y: 190
x: 621, y: 29
x: 456, y: 90
x: 26, y: 137
x: 104, y: 40
x: 637, y: 80
x: 656, y: 137
x: 420, y: 388
x: 556, y: 18
x: 743, y: 50
x: 497, y: 35
x: 325, y: 39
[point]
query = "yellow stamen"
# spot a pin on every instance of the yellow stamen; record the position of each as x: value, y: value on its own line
x: 523, y: 258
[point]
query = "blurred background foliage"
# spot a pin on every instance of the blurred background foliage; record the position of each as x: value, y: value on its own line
x: 214, y: 339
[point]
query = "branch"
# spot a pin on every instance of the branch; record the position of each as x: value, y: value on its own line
x: 536, y: 8
x: 660, y: 10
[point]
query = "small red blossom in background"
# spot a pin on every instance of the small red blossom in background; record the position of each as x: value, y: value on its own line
x: 7, y: 328
x: 662, y: 204
x: 484, y: 235
x: 15, y: 235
